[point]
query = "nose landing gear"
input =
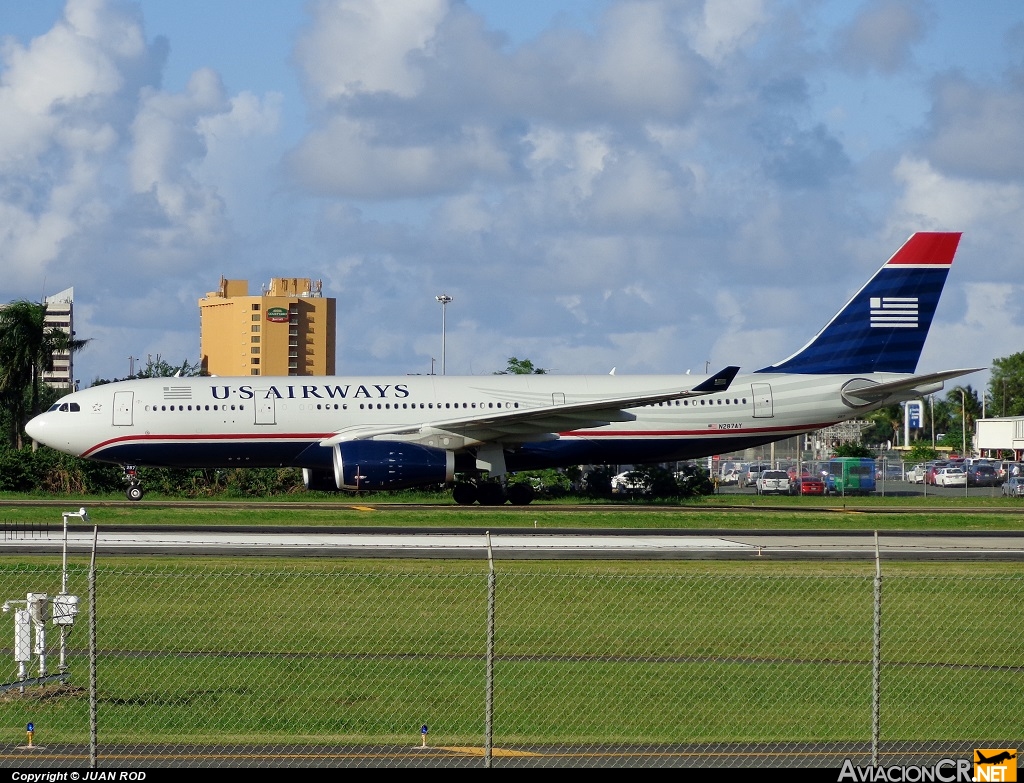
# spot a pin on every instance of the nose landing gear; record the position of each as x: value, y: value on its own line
x: 134, y: 490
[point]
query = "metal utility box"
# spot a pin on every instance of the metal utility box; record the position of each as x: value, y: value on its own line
x: 64, y: 609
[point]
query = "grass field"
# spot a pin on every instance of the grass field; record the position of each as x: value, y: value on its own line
x: 317, y: 651
x: 225, y: 650
x: 720, y: 512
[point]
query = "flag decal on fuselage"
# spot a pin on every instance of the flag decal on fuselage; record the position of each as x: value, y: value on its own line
x: 894, y: 311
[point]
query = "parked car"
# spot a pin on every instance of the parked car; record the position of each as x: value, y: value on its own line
x: 932, y: 469
x: 1006, y: 470
x: 807, y: 485
x: 1013, y: 487
x: 730, y: 477
x: 772, y: 482
x: 749, y: 474
x: 916, y: 474
x: 950, y: 477
x: 892, y: 471
x: 979, y: 475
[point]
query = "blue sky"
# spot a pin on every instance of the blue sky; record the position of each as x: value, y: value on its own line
x: 651, y: 186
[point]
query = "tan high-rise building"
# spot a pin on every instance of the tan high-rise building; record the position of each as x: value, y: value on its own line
x: 289, y: 329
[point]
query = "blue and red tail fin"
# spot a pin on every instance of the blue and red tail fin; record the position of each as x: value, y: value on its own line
x: 884, y: 326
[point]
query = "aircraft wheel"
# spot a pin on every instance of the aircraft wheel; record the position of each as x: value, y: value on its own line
x: 520, y: 494
x: 134, y: 492
x: 491, y: 493
x: 464, y: 494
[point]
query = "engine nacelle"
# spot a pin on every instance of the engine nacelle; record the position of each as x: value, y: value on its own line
x: 319, y: 480
x: 388, y: 464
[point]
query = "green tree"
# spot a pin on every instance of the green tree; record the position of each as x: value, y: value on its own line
x: 964, y: 409
x: 922, y: 452
x: 27, y: 346
x: 1006, y: 386
x: 852, y: 450
x: 883, y: 425
x: 158, y: 368
x: 521, y: 367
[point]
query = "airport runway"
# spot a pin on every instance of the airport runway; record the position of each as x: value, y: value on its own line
x: 521, y: 544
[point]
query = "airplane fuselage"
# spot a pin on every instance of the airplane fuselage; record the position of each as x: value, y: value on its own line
x: 281, y: 421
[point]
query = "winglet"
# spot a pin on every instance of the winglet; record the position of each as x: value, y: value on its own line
x: 720, y: 381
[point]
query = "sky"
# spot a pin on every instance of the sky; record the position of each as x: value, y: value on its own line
x: 653, y: 186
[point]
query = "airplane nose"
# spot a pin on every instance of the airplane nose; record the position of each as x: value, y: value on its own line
x: 35, y: 428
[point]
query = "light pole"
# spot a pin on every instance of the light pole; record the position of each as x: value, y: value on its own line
x: 931, y: 405
x: 83, y: 515
x: 963, y: 424
x: 444, y: 299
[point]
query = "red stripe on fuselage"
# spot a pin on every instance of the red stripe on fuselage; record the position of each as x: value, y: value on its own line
x: 605, y: 433
x: 312, y: 437
x: 208, y: 438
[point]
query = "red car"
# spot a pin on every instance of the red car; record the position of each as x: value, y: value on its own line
x: 807, y: 485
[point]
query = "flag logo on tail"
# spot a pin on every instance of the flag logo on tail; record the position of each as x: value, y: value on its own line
x: 894, y: 311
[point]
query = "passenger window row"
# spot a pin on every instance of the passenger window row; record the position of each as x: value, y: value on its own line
x: 163, y: 408
x: 439, y: 406
x: 703, y: 401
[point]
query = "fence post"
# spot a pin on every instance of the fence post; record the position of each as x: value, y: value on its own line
x: 876, y: 657
x: 92, y: 651
x: 489, y: 707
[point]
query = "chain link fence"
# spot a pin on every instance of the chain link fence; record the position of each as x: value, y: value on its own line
x: 272, y: 662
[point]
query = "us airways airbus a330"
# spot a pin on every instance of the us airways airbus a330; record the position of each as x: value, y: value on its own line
x: 373, y: 433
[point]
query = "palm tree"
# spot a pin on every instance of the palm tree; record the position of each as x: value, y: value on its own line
x: 963, y: 399
x: 27, y: 346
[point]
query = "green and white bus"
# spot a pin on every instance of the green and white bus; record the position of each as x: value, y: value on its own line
x: 850, y: 476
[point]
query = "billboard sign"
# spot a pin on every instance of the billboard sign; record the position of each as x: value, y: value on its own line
x: 914, y: 412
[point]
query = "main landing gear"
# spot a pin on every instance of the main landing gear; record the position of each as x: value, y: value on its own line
x: 491, y: 493
x: 131, y: 475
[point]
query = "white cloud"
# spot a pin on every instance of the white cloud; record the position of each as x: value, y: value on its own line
x: 932, y: 200
x: 726, y: 25
x: 881, y: 35
x: 978, y: 128
x: 364, y: 46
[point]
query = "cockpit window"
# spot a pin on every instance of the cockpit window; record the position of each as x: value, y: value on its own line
x: 66, y: 406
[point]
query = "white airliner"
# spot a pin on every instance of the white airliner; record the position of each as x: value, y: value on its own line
x: 380, y: 433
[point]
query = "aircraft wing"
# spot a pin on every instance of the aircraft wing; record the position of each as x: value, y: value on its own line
x: 535, y: 423
x: 863, y: 391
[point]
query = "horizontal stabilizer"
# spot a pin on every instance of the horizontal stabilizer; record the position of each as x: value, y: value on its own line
x: 864, y: 392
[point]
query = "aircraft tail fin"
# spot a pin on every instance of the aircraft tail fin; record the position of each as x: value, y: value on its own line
x: 884, y: 326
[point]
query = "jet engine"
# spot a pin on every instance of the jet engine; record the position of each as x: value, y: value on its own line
x: 383, y: 464
x: 319, y: 480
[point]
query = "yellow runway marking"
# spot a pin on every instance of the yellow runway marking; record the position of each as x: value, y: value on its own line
x: 471, y: 751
